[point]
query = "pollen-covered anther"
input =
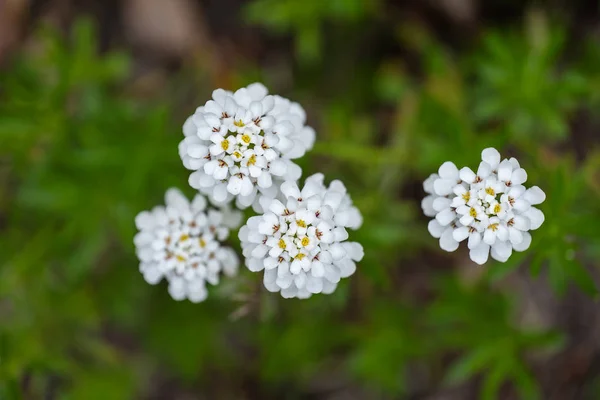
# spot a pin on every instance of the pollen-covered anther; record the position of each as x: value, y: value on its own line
x: 225, y: 144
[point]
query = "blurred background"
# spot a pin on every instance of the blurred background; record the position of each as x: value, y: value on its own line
x: 93, y: 95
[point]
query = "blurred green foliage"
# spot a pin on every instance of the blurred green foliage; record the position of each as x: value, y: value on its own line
x: 81, y: 153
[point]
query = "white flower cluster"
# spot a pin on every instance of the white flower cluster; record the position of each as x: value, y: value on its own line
x: 182, y: 242
x: 491, y: 208
x: 242, y: 144
x: 301, y: 243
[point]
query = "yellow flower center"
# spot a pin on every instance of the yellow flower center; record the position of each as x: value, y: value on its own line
x: 301, y: 223
x: 473, y: 212
x: 490, y: 191
x: 466, y: 197
x: 239, y: 123
x: 180, y: 258
x: 237, y: 154
x: 497, y: 208
x: 282, y: 244
x: 305, y: 241
x: 184, y: 237
x: 225, y: 144
x: 202, y: 242
x: 252, y: 160
x: 300, y: 256
x: 493, y: 227
x: 246, y: 138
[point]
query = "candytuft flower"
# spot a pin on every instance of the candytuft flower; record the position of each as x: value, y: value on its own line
x: 242, y: 144
x: 301, y: 242
x: 490, y: 208
x: 183, y: 243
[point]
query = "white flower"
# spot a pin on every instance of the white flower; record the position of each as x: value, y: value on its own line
x: 182, y: 242
x: 241, y: 145
x: 301, y: 243
x: 490, y: 208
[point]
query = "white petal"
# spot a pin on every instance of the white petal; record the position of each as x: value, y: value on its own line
x: 220, y: 193
x: 221, y: 173
x: 519, y: 176
x: 317, y: 270
x: 448, y: 171
x: 474, y: 240
x: 277, y: 167
x: 142, y: 239
x: 209, y: 167
x: 521, y: 205
x: 460, y: 234
x: 152, y: 275
x: 277, y: 207
x: 197, y: 150
x: 247, y: 188
x: 314, y: 285
x: 428, y: 184
x: 501, y: 251
x: 199, y: 203
x: 426, y: 205
x: 189, y: 127
x: 447, y: 242
x: 264, y: 180
x: 515, y: 235
x: 144, y: 220
x: 235, y: 185
x: 536, y: 216
x: 505, y: 171
x: 290, y: 189
x: 445, y: 216
x: 435, y: 229
x: 480, y: 253
x: 441, y: 203
x: 467, y: 175
x: 535, y: 195
x: 491, y: 156
x: 489, y: 237
x: 521, y: 223
x: 524, y: 245
x: 484, y: 170
x: 257, y: 91
x: 443, y: 187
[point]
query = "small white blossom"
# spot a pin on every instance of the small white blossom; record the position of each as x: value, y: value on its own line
x: 183, y: 243
x: 241, y: 145
x: 490, y: 208
x: 301, y: 242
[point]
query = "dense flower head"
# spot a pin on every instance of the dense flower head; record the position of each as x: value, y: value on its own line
x: 301, y: 241
x: 490, y: 208
x: 242, y: 144
x: 183, y: 243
